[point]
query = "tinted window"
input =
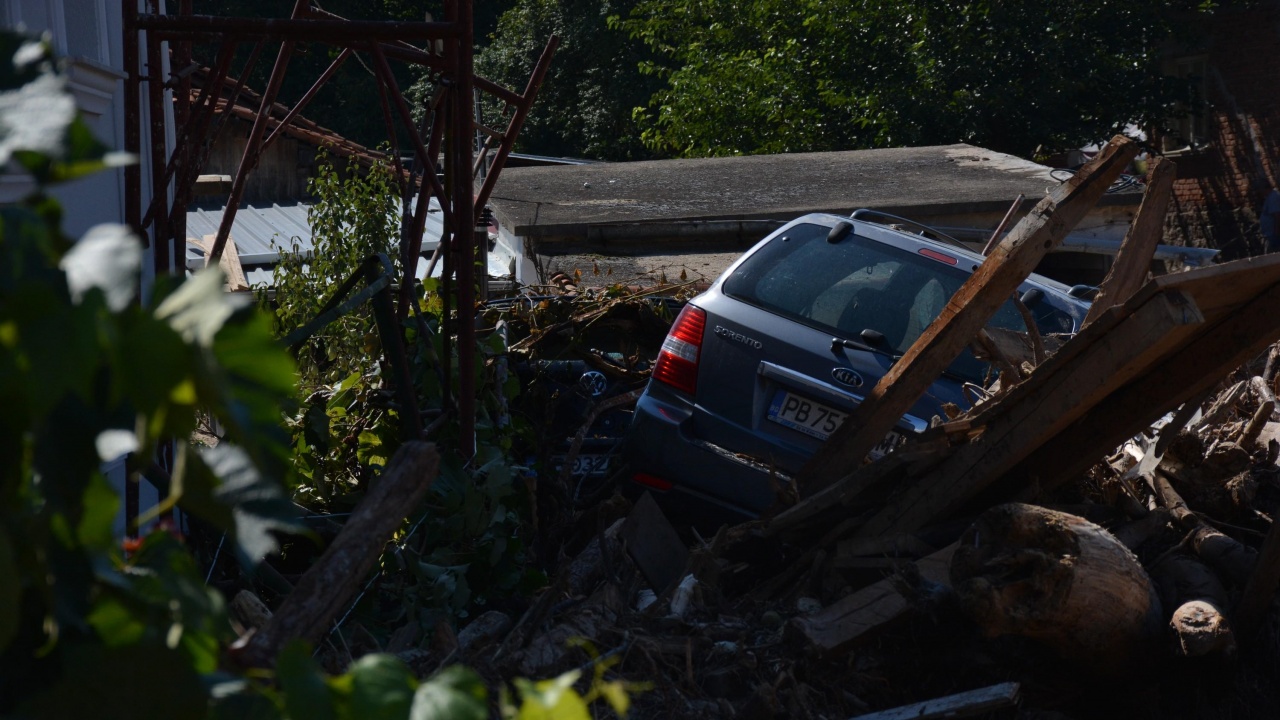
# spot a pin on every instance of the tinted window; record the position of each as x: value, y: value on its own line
x: 859, y: 284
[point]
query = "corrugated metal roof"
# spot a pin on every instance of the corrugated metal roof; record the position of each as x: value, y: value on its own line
x: 261, y: 232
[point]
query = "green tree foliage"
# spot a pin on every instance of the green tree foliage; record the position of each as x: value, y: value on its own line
x: 584, y: 108
x: 785, y: 76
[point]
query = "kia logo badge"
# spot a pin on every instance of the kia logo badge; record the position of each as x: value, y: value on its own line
x: 845, y: 376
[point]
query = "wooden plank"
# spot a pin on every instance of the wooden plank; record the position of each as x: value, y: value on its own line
x: 230, y: 264
x: 1047, y: 404
x: 964, y: 315
x: 1202, y: 362
x: 965, y: 704
x: 840, y: 626
x: 1129, y: 272
x: 1221, y: 288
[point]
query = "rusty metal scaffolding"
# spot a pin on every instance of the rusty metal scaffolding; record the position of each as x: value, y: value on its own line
x: 445, y: 48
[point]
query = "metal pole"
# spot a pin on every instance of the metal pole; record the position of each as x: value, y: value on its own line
x: 308, y: 96
x: 251, y: 148
x: 338, y: 32
x: 132, y: 187
x: 517, y: 122
x: 161, y: 233
x: 995, y: 236
x: 463, y: 223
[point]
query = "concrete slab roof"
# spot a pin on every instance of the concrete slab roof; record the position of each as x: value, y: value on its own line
x: 912, y: 182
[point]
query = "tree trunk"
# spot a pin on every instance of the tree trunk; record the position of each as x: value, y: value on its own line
x: 1058, y: 579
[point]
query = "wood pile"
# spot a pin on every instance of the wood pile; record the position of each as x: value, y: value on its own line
x: 1094, y: 540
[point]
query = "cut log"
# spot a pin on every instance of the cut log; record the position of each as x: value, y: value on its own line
x: 1231, y: 559
x: 964, y: 315
x: 1129, y: 271
x: 326, y: 587
x: 1041, y: 574
x: 1198, y: 622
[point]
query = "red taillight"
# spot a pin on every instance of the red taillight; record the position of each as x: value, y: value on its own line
x: 650, y: 481
x: 677, y: 363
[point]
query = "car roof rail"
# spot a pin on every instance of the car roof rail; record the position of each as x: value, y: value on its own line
x: 883, y: 218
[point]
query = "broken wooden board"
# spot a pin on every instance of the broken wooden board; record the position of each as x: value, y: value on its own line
x: 840, y: 626
x: 965, y: 314
x: 1197, y: 366
x: 1134, y: 364
x: 1129, y: 272
x: 965, y: 704
x: 229, y: 262
x: 1069, y: 383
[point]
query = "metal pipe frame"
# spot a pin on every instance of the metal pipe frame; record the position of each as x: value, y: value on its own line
x: 252, y: 146
x: 296, y: 29
x: 451, y: 53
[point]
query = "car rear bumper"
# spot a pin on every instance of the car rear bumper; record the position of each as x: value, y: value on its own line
x: 702, y: 476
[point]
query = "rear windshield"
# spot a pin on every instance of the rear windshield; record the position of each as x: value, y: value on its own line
x: 859, y: 284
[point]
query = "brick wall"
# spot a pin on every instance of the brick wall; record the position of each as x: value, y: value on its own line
x: 1222, y: 184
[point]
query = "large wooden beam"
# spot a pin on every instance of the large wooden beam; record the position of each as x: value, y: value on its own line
x: 330, y: 584
x: 1202, y: 362
x: 964, y: 315
x: 1129, y: 272
x: 1063, y: 390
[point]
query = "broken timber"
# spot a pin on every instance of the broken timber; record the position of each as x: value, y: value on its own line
x: 1172, y: 341
x: 1129, y: 271
x: 326, y: 588
x: 964, y: 315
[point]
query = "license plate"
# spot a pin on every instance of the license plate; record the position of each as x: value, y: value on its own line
x: 585, y: 465
x: 818, y: 420
x: 807, y: 416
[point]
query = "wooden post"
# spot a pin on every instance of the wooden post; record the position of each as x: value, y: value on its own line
x: 328, y: 586
x: 964, y: 315
x: 1129, y: 271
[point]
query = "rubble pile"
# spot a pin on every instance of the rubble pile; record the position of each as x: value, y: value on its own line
x: 1097, y: 533
x: 1093, y: 539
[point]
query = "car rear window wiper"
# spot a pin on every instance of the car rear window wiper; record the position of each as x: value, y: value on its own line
x: 872, y: 341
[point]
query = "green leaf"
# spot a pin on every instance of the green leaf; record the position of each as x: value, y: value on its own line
x: 224, y: 488
x: 381, y: 688
x: 306, y: 695
x: 454, y: 693
x: 115, y: 623
x: 10, y: 592
x: 553, y: 699
x: 101, y: 504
